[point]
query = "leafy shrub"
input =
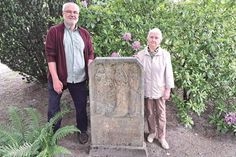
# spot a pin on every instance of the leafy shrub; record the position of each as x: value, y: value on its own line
x: 199, y: 34
x: 224, y: 118
x: 108, y: 23
x: 23, y: 29
x: 203, y: 48
x: 26, y: 135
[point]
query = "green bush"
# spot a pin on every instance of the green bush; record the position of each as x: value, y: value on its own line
x: 203, y: 46
x: 23, y: 29
x: 199, y: 34
x: 24, y: 24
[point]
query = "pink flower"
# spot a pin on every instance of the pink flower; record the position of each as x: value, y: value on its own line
x: 115, y: 54
x: 84, y: 3
x: 230, y: 118
x: 127, y: 36
x: 136, y: 45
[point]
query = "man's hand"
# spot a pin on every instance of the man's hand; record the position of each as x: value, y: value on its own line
x: 90, y: 61
x: 57, y: 86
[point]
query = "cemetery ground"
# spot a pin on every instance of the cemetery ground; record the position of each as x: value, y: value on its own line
x: 201, y: 141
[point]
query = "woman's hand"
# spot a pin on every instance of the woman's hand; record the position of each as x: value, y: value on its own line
x: 166, y: 95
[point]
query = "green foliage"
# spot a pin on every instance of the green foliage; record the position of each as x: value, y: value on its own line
x: 234, y: 129
x: 24, y: 24
x: 26, y: 136
x: 218, y: 118
x: 183, y: 111
x: 200, y: 34
x: 11, y: 151
x: 108, y: 24
x: 23, y: 30
x: 203, y: 52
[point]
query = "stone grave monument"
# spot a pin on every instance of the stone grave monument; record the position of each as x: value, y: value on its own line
x: 116, y: 107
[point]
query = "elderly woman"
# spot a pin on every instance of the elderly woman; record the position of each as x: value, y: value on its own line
x: 158, y: 81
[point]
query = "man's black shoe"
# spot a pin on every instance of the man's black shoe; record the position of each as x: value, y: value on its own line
x: 83, y: 137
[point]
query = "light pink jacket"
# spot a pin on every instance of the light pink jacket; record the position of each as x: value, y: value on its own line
x: 158, y: 72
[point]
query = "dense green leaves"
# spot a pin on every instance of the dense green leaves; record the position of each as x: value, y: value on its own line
x: 200, y: 34
x: 26, y: 135
x: 22, y: 30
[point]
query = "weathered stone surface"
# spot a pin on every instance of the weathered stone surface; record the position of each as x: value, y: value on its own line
x: 116, y: 106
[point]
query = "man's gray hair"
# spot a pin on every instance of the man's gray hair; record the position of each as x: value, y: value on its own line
x: 156, y: 30
x: 65, y: 5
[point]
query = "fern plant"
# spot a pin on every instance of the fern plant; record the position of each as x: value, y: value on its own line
x: 25, y: 135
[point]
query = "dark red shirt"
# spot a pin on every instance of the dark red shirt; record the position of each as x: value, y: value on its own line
x: 55, y: 51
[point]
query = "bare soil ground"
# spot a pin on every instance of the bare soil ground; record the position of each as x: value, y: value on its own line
x: 200, y: 141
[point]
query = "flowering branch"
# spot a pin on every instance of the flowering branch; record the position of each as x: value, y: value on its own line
x: 135, y: 45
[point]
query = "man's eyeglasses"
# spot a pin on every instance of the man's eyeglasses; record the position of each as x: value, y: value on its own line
x: 70, y: 12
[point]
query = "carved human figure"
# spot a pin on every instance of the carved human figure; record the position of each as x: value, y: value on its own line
x: 122, y: 92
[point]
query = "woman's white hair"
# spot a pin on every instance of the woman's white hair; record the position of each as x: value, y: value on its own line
x: 65, y: 5
x: 155, y: 30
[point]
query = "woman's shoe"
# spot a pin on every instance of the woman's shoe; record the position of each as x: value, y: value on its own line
x: 164, y: 143
x: 151, y: 137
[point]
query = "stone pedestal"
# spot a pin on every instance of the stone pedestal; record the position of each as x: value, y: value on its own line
x: 117, y: 107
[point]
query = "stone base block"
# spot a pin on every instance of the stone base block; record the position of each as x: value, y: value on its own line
x: 116, y: 151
